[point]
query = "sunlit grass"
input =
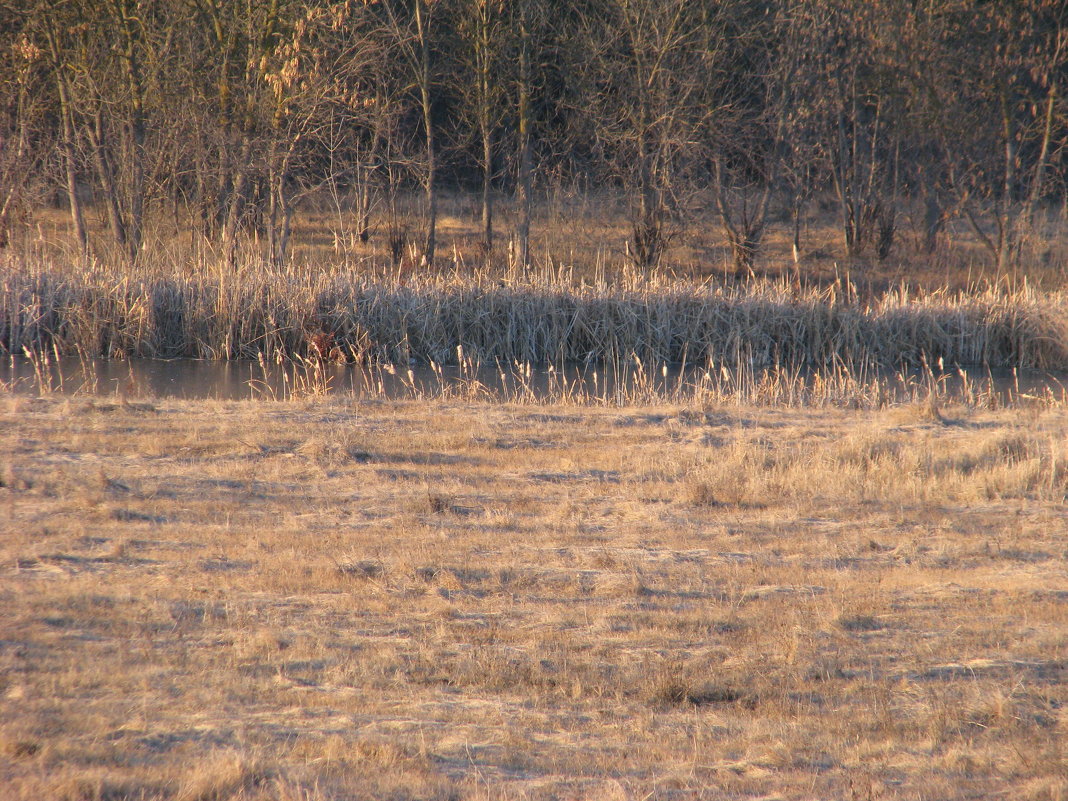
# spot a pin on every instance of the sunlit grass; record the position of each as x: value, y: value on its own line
x: 328, y: 599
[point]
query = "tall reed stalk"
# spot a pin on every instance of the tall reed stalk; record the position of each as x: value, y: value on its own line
x: 542, y: 318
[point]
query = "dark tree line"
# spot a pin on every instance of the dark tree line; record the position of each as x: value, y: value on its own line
x: 225, y: 114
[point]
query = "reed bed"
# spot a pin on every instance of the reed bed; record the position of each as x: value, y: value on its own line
x: 623, y: 384
x: 354, y: 313
x: 629, y: 384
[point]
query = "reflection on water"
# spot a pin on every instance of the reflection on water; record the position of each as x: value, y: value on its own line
x: 631, y: 382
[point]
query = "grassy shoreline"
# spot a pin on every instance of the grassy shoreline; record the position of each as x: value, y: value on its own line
x: 507, y: 319
x: 321, y: 600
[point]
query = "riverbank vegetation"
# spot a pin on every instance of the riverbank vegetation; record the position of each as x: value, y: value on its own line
x: 445, y: 600
x: 505, y: 320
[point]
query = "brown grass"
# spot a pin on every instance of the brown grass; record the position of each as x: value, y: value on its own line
x: 327, y: 600
x: 547, y: 316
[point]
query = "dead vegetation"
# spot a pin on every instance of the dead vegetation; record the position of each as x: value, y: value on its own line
x: 459, y: 600
x: 357, y: 313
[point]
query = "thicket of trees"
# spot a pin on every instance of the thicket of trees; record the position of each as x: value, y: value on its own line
x: 226, y: 113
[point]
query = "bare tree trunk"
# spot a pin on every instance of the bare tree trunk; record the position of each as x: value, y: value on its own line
x: 106, y: 175
x: 484, y: 64
x: 745, y: 225
x: 525, y: 161
x: 487, y: 196
x: 795, y: 239
x: 428, y: 123
x: 280, y: 218
x: 274, y: 204
x: 1043, y: 156
x: 279, y: 203
x: 235, y: 202
x: 933, y: 220
x: 66, y: 113
x: 855, y: 168
x: 14, y: 173
x: 70, y: 170
x: 843, y: 184
x: 1006, y: 243
x: 363, y: 198
x: 125, y: 14
x: 648, y: 233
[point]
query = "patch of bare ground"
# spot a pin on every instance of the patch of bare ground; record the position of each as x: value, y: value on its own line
x: 206, y: 600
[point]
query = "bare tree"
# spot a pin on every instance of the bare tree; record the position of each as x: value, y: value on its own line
x: 793, y: 90
x: 53, y: 26
x: 233, y: 112
x: 24, y: 137
x: 481, y: 28
x: 328, y: 77
x: 236, y: 121
x: 410, y: 24
x: 527, y: 19
x: 1018, y: 87
x: 99, y: 53
x: 859, y: 125
x: 525, y: 181
x: 986, y: 114
x: 644, y: 100
x: 746, y: 136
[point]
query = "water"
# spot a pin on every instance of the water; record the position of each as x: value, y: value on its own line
x: 237, y: 380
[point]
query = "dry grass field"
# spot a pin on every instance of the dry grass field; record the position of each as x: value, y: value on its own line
x: 322, y: 600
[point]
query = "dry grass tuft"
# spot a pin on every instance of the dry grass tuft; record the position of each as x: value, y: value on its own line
x: 222, y: 775
x: 333, y: 450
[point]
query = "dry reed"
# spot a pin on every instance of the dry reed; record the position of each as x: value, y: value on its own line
x: 542, y: 317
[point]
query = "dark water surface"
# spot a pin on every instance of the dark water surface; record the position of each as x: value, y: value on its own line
x: 237, y: 380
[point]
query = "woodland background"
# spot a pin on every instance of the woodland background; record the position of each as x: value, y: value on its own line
x: 222, y: 120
